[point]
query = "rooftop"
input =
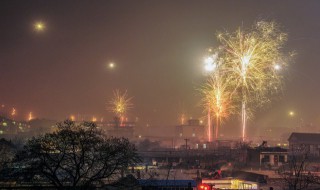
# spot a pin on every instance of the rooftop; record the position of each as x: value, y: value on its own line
x: 309, y: 138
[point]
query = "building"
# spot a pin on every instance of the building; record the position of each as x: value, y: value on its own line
x: 228, y: 183
x: 118, y: 128
x: 125, y: 129
x: 192, y: 130
x: 266, y: 157
x: 305, y: 142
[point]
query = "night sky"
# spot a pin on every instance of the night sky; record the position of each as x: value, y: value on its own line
x: 158, y: 49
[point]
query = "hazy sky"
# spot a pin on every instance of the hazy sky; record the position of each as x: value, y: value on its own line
x: 158, y: 48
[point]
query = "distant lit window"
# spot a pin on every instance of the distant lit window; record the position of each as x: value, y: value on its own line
x: 197, y: 146
x: 193, y: 134
x: 1, y: 132
x: 204, y: 146
x: 4, y: 124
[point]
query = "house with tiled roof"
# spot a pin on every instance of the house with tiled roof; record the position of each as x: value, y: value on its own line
x: 305, y: 143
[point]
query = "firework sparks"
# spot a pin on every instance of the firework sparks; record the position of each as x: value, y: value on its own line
x: 182, y: 119
x: 13, y: 112
x: 217, y: 101
x: 30, y: 116
x: 251, y: 59
x: 120, y: 103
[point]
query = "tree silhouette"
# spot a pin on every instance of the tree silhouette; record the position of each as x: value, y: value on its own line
x: 77, y: 156
x: 295, y: 174
x: 7, y: 152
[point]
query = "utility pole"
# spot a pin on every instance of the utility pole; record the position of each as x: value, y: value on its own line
x: 186, y: 143
x: 187, y: 156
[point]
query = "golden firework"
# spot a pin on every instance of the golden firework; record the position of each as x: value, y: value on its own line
x: 120, y: 103
x: 217, y: 100
x: 252, y: 60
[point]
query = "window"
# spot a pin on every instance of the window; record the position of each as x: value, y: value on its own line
x: 281, y: 158
x: 266, y: 158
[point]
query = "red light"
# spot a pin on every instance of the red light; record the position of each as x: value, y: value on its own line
x: 204, y: 187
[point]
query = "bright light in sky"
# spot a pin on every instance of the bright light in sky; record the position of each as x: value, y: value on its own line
x: 111, y: 65
x: 277, y: 67
x: 291, y: 113
x: 39, y: 26
x: 208, y: 61
x: 209, y: 64
x: 245, y: 60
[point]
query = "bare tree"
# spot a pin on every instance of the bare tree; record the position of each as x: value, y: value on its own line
x: 295, y: 174
x: 77, y: 156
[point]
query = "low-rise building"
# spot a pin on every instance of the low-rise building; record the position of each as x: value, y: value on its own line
x: 192, y: 130
x: 267, y: 157
x: 305, y: 143
x: 228, y: 183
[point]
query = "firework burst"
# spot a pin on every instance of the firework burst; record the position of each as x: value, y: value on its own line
x: 120, y: 103
x: 245, y: 71
x: 217, y: 94
x: 217, y: 101
x: 252, y: 60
